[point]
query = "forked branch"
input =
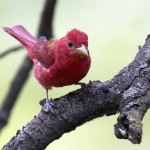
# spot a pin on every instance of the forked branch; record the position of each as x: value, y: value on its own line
x: 127, y: 93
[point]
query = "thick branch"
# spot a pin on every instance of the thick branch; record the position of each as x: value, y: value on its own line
x: 136, y: 99
x: 19, y: 80
x: 127, y: 93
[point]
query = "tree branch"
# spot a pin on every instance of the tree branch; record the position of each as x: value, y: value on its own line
x: 46, y: 23
x: 10, y: 50
x: 22, y: 75
x: 127, y: 93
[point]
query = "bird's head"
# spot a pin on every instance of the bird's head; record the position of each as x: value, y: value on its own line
x: 74, y: 43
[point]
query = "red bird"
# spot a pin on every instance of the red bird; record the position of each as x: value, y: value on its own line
x: 56, y: 62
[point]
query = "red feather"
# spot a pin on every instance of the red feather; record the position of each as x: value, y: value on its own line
x: 21, y: 34
x: 57, y: 62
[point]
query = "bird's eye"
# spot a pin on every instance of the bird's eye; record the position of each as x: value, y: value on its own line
x: 70, y: 44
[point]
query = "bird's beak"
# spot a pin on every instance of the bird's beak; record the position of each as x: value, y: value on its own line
x: 82, y: 51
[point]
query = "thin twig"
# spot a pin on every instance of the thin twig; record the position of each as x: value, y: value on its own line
x: 10, y: 50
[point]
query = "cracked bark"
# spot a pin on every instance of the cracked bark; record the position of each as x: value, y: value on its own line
x: 127, y: 93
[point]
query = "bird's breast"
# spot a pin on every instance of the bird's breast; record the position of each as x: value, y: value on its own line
x: 63, y: 72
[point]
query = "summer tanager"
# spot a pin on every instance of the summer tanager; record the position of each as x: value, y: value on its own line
x: 56, y: 62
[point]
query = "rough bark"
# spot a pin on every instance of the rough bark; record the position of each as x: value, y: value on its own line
x: 127, y: 93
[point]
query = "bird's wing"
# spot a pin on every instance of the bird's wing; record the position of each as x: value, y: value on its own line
x: 44, y: 52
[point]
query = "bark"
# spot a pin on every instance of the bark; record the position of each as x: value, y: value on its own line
x: 127, y: 93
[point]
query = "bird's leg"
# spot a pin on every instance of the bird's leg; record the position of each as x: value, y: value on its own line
x: 85, y: 86
x: 47, y: 99
x: 48, y: 105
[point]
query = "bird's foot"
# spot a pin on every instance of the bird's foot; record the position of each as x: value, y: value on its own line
x: 47, y: 105
x: 84, y: 86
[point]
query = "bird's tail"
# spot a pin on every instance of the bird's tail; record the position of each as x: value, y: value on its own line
x: 22, y: 35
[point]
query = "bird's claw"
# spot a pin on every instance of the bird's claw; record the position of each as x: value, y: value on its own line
x: 47, y: 105
x: 85, y: 86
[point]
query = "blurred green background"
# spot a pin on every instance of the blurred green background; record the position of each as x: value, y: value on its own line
x: 115, y: 30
